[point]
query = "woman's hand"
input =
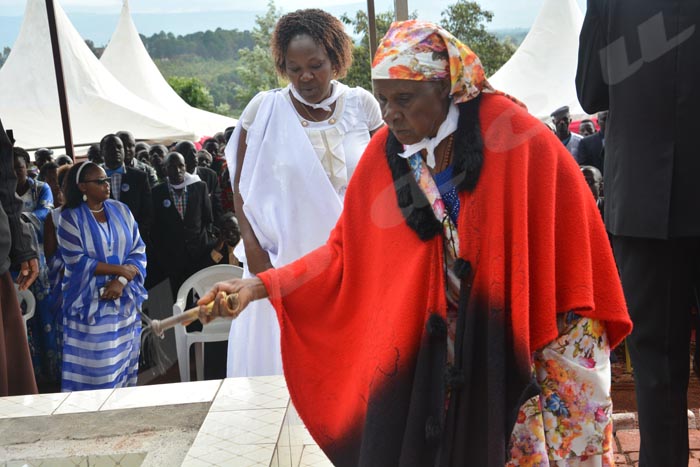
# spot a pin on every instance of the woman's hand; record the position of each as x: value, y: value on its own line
x: 112, y: 290
x: 128, y: 271
x: 29, y: 271
x: 247, y: 290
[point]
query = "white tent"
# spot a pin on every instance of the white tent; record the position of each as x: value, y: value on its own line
x: 98, y: 103
x: 542, y: 72
x: 127, y: 59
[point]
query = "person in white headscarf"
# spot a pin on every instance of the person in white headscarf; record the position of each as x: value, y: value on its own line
x: 293, y: 154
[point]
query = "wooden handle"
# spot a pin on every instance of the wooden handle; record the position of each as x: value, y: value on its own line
x: 159, y: 326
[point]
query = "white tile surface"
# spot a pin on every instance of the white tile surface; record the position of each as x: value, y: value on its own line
x: 237, y: 438
x: 314, y: 457
x: 266, y: 392
x: 244, y: 456
x: 244, y: 427
x: 51, y: 462
x: 30, y: 406
x: 84, y: 401
x: 162, y: 394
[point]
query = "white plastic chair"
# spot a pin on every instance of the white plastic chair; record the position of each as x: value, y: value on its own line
x: 26, y: 297
x: 218, y: 330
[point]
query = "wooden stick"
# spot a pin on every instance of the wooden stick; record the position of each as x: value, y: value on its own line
x: 159, y: 326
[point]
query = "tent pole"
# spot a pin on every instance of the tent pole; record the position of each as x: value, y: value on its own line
x: 372, y: 23
x: 401, y: 9
x: 60, y: 81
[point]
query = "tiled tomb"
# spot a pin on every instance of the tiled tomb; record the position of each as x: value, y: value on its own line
x: 237, y: 422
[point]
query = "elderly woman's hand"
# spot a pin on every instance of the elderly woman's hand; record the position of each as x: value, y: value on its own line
x: 247, y: 290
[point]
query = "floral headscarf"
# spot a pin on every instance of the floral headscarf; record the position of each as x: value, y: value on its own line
x: 422, y: 51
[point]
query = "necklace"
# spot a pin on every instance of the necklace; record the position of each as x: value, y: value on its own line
x: 308, y: 113
x: 447, y: 154
x: 98, y: 210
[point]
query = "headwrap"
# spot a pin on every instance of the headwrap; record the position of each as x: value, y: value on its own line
x: 423, y: 51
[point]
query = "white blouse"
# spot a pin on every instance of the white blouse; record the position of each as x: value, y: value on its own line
x: 338, y: 141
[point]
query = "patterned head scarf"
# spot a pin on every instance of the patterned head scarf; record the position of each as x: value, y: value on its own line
x: 422, y: 51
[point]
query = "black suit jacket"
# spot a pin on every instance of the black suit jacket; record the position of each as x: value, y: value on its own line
x: 590, y: 151
x: 210, y: 178
x: 647, y: 76
x: 16, y: 243
x: 181, y: 245
x: 135, y: 192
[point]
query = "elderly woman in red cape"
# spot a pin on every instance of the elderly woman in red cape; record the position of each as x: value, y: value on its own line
x: 463, y: 309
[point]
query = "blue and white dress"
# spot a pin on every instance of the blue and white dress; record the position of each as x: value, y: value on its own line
x: 101, y: 338
x: 44, y: 345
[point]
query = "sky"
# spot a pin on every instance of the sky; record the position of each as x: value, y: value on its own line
x: 96, y: 19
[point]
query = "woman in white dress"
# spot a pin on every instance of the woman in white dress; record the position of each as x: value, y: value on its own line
x: 294, y: 151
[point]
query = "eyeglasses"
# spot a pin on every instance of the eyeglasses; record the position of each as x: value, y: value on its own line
x: 99, y: 181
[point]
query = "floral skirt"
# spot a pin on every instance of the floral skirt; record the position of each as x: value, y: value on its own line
x: 570, y: 422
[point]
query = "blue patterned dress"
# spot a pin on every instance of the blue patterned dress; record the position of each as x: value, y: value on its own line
x: 101, y: 337
x: 44, y: 345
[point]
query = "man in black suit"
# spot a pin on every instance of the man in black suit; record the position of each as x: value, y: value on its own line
x: 591, y: 148
x: 130, y: 186
x: 208, y: 176
x: 130, y: 159
x: 182, y: 213
x: 639, y: 59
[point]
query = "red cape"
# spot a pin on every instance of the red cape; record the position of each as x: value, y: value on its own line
x: 353, y: 313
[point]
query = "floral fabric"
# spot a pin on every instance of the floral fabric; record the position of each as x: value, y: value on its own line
x: 570, y: 422
x: 422, y: 51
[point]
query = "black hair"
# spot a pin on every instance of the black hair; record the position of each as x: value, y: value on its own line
x: 73, y: 194
x: 61, y: 175
x: 228, y: 132
x: 45, y: 168
x: 106, y: 139
x: 325, y: 29
x: 22, y: 153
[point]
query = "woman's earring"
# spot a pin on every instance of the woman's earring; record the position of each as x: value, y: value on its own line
x: 84, y: 197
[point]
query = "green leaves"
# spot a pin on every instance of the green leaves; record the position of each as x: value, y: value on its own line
x: 192, y: 91
x: 467, y: 22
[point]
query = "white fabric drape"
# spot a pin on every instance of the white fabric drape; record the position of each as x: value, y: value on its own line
x: 291, y: 206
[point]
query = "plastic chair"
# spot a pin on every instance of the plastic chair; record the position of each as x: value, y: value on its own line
x: 218, y: 330
x: 27, y: 298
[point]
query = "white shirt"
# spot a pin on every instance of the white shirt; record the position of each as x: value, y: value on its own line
x: 340, y: 140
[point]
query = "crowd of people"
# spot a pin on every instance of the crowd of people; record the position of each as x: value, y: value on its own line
x: 426, y: 265
x: 107, y: 229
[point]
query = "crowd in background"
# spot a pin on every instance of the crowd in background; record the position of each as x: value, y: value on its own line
x: 180, y: 199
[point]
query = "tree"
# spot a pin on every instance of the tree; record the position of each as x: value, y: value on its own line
x: 3, y: 56
x: 94, y: 49
x: 465, y: 20
x: 359, y: 73
x: 192, y: 91
x: 256, y: 68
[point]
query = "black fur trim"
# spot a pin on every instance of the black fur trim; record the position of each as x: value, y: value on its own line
x: 468, y: 156
x: 454, y: 378
x: 412, y: 202
x: 467, y: 160
x: 436, y: 327
x: 462, y: 268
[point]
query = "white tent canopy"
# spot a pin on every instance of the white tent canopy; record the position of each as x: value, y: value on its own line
x: 127, y: 59
x: 98, y: 103
x: 542, y: 72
